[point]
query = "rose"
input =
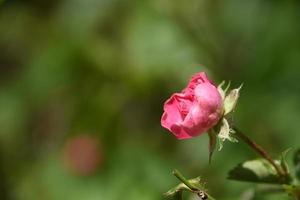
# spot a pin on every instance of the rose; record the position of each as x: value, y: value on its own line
x: 195, y: 110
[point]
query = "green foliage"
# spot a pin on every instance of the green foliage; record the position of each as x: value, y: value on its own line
x: 194, y: 185
x: 195, y: 182
x: 258, y: 171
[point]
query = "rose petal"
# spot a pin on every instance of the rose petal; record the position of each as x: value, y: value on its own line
x: 175, y: 110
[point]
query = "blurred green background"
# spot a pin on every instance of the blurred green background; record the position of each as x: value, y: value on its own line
x: 83, y: 84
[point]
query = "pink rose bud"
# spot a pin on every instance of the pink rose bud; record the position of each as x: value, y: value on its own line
x: 195, y: 110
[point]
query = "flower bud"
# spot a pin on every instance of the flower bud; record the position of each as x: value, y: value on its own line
x: 194, y: 110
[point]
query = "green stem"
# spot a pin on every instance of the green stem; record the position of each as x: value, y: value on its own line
x: 261, y: 151
x: 189, y: 185
x: 184, y: 180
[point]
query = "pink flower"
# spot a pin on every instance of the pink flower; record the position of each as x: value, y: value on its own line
x: 195, y: 110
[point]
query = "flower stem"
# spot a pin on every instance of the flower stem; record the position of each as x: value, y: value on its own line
x: 189, y: 185
x: 261, y: 151
x: 183, y: 180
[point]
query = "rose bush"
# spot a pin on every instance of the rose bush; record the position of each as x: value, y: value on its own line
x: 194, y: 110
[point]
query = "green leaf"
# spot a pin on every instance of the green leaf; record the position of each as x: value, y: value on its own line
x: 212, y: 143
x: 196, y: 182
x: 192, y: 185
x: 178, y: 189
x: 259, y: 171
x: 231, y: 100
x: 261, y: 191
x: 176, y: 194
x: 296, y: 161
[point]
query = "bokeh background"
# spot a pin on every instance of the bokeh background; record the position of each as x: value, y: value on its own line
x: 82, y: 84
